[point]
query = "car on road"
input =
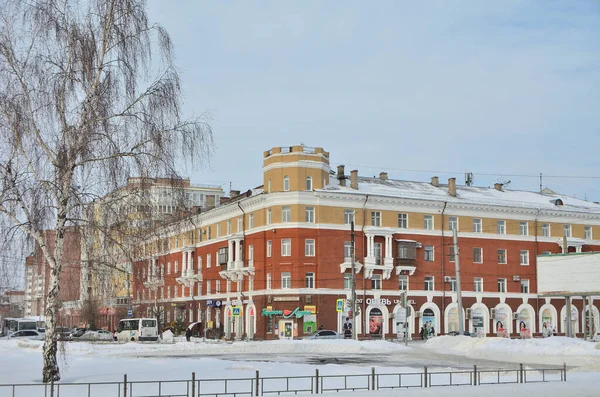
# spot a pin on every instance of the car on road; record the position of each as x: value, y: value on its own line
x: 323, y: 334
x: 94, y: 335
x: 27, y: 334
x: 455, y: 333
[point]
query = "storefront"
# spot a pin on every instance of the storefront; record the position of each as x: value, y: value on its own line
x: 287, y: 322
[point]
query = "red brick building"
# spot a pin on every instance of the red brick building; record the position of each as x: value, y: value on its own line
x: 272, y: 262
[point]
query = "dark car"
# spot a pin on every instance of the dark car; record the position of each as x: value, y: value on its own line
x: 323, y: 334
x: 455, y: 333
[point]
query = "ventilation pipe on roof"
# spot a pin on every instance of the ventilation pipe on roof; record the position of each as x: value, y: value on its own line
x: 498, y: 186
x: 354, y: 179
x: 383, y: 176
x: 340, y: 175
x: 452, y: 187
x: 435, y: 181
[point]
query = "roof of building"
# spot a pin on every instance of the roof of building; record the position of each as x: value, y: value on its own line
x: 464, y: 194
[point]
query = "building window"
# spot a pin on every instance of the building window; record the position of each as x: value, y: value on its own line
x: 501, y: 227
x: 403, y: 282
x: 347, y: 251
x: 240, y: 224
x: 524, y: 255
x: 376, y: 281
x: 228, y: 286
x: 176, y: 291
x: 269, y: 216
x: 269, y: 248
x: 223, y: 256
x: 251, y: 252
x: 286, y: 247
x: 524, y: 286
x: 477, y: 255
x: 347, y: 280
x: 251, y: 221
x: 286, y: 214
x: 168, y: 292
x: 219, y: 230
x: 309, y: 247
x: 310, y: 215
x: 452, y: 283
x: 567, y: 230
x: 501, y: 285
x: 546, y: 230
x: 286, y: 183
x: 375, y: 218
x: 452, y: 256
x: 208, y: 261
x: 268, y: 280
x: 587, y: 232
x: 453, y: 223
x: 377, y: 253
x: 176, y: 267
x: 476, y: 225
x: 429, y: 283
x: 229, y: 227
x: 286, y: 280
x: 250, y: 283
x: 428, y: 222
x: 478, y: 284
x: 403, y: 221
x: 310, y: 280
x: 502, y: 256
x: 428, y: 253
x: 309, y: 183
x: 218, y: 287
x: 169, y: 268
x: 348, y: 217
x: 523, y: 228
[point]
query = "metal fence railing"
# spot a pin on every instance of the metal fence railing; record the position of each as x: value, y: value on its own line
x: 280, y: 385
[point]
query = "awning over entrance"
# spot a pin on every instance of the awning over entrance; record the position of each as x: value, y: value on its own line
x: 192, y: 324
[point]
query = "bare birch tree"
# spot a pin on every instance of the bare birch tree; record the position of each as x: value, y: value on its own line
x: 88, y: 97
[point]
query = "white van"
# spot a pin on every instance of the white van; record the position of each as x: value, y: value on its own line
x: 137, y: 329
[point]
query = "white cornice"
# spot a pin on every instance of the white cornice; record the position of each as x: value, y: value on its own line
x: 298, y: 164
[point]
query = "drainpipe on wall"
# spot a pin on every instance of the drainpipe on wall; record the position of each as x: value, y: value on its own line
x: 364, y: 247
x: 240, y: 292
x: 442, y: 319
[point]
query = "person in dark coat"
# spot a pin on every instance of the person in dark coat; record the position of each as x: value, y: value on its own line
x: 188, y: 334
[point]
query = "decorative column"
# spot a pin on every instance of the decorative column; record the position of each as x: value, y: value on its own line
x: 230, y: 254
x: 183, y: 263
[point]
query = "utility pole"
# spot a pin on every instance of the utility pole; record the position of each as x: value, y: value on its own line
x: 461, y: 324
x: 353, y: 298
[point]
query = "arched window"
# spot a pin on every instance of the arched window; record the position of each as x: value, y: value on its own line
x: 309, y: 183
x: 286, y: 183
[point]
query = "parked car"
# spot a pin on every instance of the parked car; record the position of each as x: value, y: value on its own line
x: 323, y: 334
x: 27, y: 334
x: 63, y: 333
x: 94, y: 334
x: 455, y: 333
x: 77, y: 332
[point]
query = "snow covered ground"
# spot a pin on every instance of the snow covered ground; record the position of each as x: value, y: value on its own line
x: 21, y: 362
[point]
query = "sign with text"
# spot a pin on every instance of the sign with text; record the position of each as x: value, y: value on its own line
x: 297, y: 313
x: 213, y: 303
x: 286, y: 298
x: 312, y: 309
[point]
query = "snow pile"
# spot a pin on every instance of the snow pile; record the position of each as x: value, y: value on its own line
x: 167, y: 335
x: 552, y: 351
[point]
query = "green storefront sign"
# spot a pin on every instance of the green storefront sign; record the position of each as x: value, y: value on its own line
x: 286, y: 313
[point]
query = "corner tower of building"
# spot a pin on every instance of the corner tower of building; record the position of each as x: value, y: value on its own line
x: 295, y: 168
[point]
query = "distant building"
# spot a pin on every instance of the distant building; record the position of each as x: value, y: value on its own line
x: 272, y: 263
x: 12, y: 304
x: 37, y: 273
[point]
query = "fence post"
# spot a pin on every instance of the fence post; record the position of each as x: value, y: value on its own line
x: 565, y: 371
x: 193, y: 384
x: 521, y: 372
x: 125, y: 385
x: 425, y: 375
x: 256, y: 385
x: 317, y: 381
x: 52, y: 388
x: 474, y: 375
x: 373, y: 379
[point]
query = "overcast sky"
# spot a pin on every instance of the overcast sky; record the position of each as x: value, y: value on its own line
x: 502, y: 89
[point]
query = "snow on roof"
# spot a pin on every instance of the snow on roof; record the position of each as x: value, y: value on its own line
x: 464, y: 194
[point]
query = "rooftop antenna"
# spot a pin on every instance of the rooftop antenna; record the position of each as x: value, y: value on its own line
x: 469, y: 178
